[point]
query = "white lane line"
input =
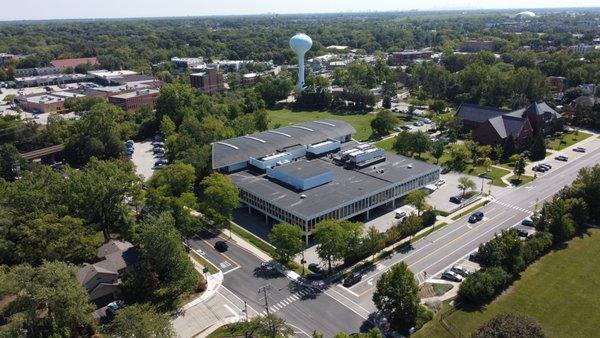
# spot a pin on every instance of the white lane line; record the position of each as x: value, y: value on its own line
x: 241, y: 301
x: 228, y: 271
x: 348, y: 299
x: 230, y: 310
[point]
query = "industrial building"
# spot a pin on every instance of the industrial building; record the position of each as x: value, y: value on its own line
x: 302, y: 174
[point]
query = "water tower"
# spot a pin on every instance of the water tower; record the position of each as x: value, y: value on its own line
x: 300, y: 43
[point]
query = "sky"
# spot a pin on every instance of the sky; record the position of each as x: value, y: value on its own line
x: 80, y: 9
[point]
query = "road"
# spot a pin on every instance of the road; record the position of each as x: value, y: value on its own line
x: 440, y: 250
x: 305, y: 309
x: 351, y: 309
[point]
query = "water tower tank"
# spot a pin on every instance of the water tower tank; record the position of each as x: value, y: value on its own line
x: 300, y: 44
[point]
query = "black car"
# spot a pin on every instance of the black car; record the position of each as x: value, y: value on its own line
x: 476, y: 217
x: 221, y: 246
x: 352, y: 279
x: 456, y: 199
x: 316, y: 268
x: 445, y: 171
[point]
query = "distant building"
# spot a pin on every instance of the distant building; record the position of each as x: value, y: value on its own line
x: 405, y: 57
x: 5, y: 57
x: 39, y: 71
x: 477, y: 45
x: 582, y: 48
x: 187, y: 63
x: 339, y: 48
x: 102, y: 279
x: 41, y: 103
x: 250, y: 79
x: 72, y: 63
x: 210, y: 82
x: 135, y: 100
x: 557, y: 82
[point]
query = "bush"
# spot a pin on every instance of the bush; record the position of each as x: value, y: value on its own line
x: 424, y: 315
x: 482, y: 286
x: 537, y: 246
x: 510, y: 325
x: 429, y: 217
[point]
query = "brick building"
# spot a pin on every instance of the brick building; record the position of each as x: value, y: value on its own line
x: 210, y: 82
x: 135, y: 100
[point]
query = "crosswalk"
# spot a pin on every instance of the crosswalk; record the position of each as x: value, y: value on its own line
x: 508, y: 205
x: 307, y: 291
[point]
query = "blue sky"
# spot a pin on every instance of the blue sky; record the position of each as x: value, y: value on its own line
x: 67, y: 9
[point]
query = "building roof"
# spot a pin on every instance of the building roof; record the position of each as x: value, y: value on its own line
x: 240, y: 149
x: 476, y: 113
x: 136, y: 93
x: 303, y: 169
x: 65, y: 63
x: 540, y: 109
x: 506, y: 125
x: 112, y: 246
x: 116, y: 255
x: 348, y: 185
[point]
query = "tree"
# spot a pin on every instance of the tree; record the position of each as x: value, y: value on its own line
x: 538, y: 147
x: 437, y: 151
x: 337, y: 239
x: 287, y: 239
x: 11, y: 162
x: 487, y: 163
x: 402, y: 143
x: 420, y: 143
x: 416, y: 198
x: 141, y: 320
x: 261, y: 120
x: 383, y: 123
x: 266, y: 326
x: 510, y: 325
x: 397, y: 297
x: 373, y: 241
x: 48, y: 301
x: 96, y: 134
x: 175, y: 101
x: 165, y: 254
x: 273, y: 89
x: 167, y: 126
x: 222, y: 197
x: 483, y: 285
x: 509, y: 147
x: 99, y: 191
x: 459, y: 155
x: 465, y: 183
x: 519, y: 163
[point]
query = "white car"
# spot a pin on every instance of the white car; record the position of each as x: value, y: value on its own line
x: 439, y: 183
x: 461, y: 270
x: 452, y: 276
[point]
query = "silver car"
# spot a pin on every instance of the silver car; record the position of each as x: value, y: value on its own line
x: 461, y: 270
x: 452, y: 276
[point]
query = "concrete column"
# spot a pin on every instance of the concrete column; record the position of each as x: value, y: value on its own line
x: 266, y: 219
x: 306, y: 236
x: 249, y: 209
x: 394, y: 203
x: 368, y: 214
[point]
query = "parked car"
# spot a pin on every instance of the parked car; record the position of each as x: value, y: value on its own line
x: 473, y: 256
x: 456, y: 199
x: 540, y: 168
x: 397, y: 129
x: 113, y: 307
x: 522, y: 232
x: 352, y: 279
x: 426, y: 121
x: 316, y: 268
x: 404, y: 127
x: 579, y: 149
x: 461, y: 270
x: 561, y: 158
x: 400, y: 214
x: 157, y: 138
x: 161, y: 161
x: 445, y: 170
x: 452, y: 276
x: 439, y: 183
x: 528, y: 222
x: 221, y: 246
x: 546, y: 165
x: 158, y: 151
x: 476, y: 217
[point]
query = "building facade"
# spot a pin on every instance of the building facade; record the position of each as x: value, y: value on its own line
x: 135, y: 100
x: 210, y: 82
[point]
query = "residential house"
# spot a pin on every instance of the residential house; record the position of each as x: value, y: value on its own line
x: 102, y: 279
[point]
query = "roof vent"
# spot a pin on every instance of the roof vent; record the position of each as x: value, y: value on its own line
x: 409, y: 166
x: 303, y: 196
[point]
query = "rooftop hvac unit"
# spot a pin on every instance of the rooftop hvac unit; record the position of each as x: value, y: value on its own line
x: 303, y: 196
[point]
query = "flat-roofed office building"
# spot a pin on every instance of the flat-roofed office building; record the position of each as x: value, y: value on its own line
x: 302, y: 174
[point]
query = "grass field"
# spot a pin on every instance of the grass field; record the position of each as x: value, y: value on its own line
x: 386, y: 144
x: 567, y: 140
x: 360, y: 122
x: 561, y: 292
x: 520, y: 181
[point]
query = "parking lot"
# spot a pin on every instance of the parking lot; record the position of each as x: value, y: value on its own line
x: 144, y: 159
x: 440, y: 196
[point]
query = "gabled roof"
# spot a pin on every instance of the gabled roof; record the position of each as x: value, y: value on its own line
x: 476, y: 113
x: 112, y: 246
x: 506, y: 125
x: 540, y: 109
x: 241, y: 149
x: 89, y: 271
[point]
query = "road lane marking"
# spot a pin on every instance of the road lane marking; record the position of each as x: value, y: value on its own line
x: 351, y: 301
x: 230, y: 310
x: 232, y: 270
x: 223, y: 287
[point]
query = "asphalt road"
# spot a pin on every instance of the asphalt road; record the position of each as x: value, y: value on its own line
x: 440, y: 250
x: 305, y: 309
x: 351, y: 310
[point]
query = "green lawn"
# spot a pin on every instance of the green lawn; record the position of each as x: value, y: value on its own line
x: 495, y: 173
x: 386, y: 144
x: 518, y: 182
x: 360, y: 122
x: 561, y: 292
x: 569, y: 139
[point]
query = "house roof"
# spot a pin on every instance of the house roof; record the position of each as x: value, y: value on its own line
x: 476, y: 113
x: 88, y: 271
x: 112, y: 246
x: 65, y: 63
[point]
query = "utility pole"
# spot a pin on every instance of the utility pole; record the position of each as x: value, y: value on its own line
x: 265, y: 290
